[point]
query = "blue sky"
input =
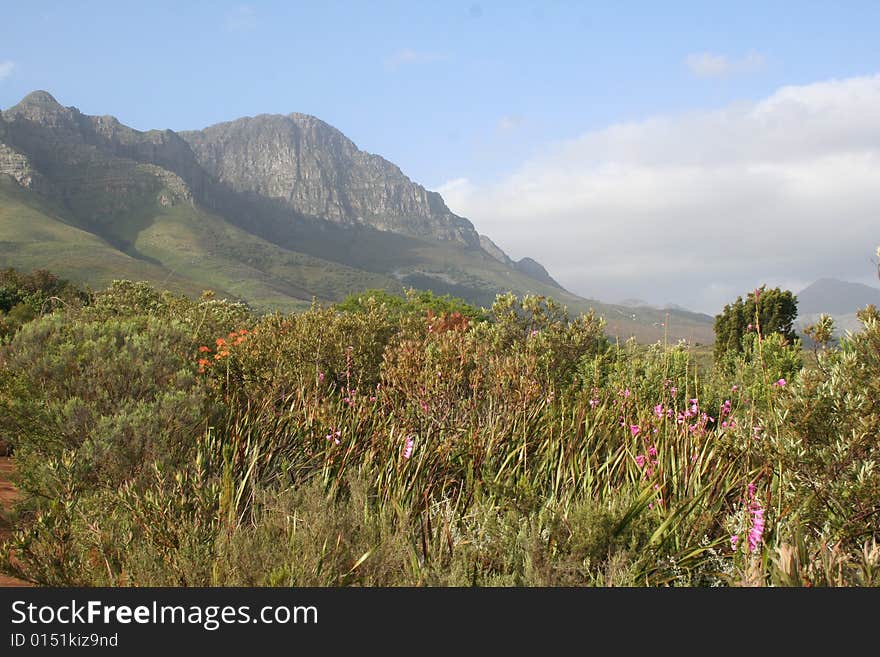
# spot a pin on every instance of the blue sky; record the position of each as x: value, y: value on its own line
x: 449, y: 91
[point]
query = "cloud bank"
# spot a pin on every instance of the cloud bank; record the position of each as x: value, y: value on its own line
x: 698, y: 208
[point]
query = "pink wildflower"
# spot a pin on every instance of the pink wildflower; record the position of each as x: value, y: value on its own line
x: 640, y: 460
x: 781, y: 383
x: 757, y: 530
x: 734, y: 541
x: 634, y: 429
x: 658, y: 410
x: 408, y: 447
x: 756, y: 511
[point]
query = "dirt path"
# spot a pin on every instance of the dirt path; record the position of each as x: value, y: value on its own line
x: 8, y: 494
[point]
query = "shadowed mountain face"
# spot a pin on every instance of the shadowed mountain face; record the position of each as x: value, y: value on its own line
x: 275, y: 210
x: 315, y: 170
x: 834, y: 297
x: 840, y: 299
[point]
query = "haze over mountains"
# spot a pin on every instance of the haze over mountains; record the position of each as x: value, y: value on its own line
x: 272, y: 209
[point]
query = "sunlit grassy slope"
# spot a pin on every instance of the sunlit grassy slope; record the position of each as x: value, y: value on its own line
x: 186, y: 248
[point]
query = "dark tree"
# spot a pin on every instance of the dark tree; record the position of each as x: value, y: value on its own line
x: 764, y: 311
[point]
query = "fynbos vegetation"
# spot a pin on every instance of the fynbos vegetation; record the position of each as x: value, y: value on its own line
x: 420, y: 441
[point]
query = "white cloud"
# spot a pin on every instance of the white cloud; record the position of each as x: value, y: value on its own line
x: 689, y: 208
x: 408, y: 56
x: 710, y: 65
x: 6, y: 69
x: 242, y: 18
x: 508, y: 123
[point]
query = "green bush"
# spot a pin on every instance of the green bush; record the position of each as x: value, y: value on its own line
x: 168, y: 441
x: 828, y: 441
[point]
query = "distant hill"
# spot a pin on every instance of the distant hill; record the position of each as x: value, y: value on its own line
x: 835, y: 297
x: 840, y: 299
x: 274, y: 209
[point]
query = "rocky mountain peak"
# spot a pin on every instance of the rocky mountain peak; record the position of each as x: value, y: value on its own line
x: 317, y: 171
x: 41, y: 107
x: 39, y: 98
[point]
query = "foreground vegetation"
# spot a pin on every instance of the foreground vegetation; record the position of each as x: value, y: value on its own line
x: 165, y: 441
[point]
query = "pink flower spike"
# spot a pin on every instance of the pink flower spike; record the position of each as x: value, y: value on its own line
x: 635, y: 429
x: 734, y: 541
x: 627, y: 393
x: 408, y: 447
x: 652, y: 451
x: 658, y: 410
x: 640, y: 460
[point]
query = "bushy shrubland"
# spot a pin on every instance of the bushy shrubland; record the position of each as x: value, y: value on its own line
x: 166, y: 441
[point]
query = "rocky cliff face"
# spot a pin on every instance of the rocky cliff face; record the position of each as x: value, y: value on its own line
x: 317, y: 171
x: 78, y: 158
x: 16, y: 165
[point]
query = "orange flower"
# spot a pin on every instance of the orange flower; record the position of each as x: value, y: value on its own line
x: 233, y: 335
x: 243, y: 332
x: 203, y: 349
x: 203, y: 362
x: 220, y: 342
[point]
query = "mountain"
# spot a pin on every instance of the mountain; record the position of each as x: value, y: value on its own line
x: 829, y: 295
x: 272, y: 209
x: 840, y: 299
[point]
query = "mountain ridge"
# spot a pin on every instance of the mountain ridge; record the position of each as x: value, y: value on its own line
x: 273, y: 209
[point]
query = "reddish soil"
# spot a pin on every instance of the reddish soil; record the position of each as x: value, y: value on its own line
x: 8, y: 493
